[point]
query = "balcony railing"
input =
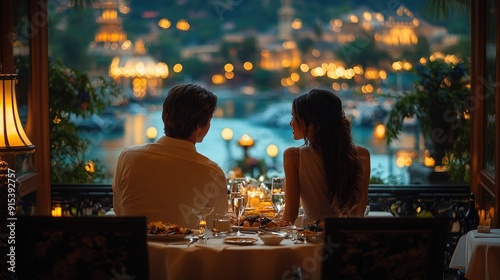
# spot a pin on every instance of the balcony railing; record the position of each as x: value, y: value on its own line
x: 401, y: 200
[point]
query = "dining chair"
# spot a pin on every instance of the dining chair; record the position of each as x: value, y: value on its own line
x: 81, y: 248
x: 384, y: 248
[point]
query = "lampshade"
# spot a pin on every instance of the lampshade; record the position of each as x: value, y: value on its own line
x: 13, y: 139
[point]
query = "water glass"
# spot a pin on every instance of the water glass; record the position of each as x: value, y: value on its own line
x: 367, y: 210
x: 221, y: 225
x: 278, y: 194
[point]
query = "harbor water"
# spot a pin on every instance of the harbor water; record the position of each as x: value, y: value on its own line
x: 263, y: 119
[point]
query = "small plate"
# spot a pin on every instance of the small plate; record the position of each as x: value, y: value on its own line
x: 253, y: 229
x: 240, y: 240
x: 290, y: 227
x: 163, y: 237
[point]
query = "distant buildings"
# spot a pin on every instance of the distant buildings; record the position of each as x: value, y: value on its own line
x: 139, y: 74
x: 279, y: 50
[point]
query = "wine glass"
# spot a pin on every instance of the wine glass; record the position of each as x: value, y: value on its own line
x: 202, y: 212
x: 237, y: 184
x: 238, y: 208
x: 277, y: 194
x: 237, y: 188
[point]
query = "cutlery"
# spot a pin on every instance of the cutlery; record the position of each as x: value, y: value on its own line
x: 176, y: 243
x: 192, y: 240
x: 184, y: 242
x: 248, y: 232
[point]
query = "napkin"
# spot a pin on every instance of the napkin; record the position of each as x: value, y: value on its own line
x: 494, y: 233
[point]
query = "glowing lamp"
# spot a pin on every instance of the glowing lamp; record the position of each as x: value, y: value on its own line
x: 13, y: 140
x: 246, y: 141
x: 227, y: 134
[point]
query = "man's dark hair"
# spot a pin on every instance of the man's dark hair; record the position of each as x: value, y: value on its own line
x: 186, y: 108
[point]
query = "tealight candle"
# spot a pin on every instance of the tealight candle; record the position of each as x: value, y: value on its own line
x: 484, y: 222
x: 254, y: 201
x: 203, y: 226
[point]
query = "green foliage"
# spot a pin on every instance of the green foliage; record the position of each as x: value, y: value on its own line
x: 73, y: 94
x: 195, y: 68
x: 461, y: 49
x: 440, y: 102
x: 265, y: 79
x: 74, y: 49
x: 250, y: 166
x: 440, y: 94
x: 248, y: 50
x: 446, y: 8
x: 376, y: 177
x: 362, y: 52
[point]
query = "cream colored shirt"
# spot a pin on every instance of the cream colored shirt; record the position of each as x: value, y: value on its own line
x: 165, y: 180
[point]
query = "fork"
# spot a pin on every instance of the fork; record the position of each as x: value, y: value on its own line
x: 192, y: 240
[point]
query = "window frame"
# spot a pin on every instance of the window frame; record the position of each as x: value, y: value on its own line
x: 482, y: 183
x: 37, y: 125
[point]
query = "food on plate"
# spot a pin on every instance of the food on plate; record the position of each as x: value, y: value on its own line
x: 277, y: 224
x: 252, y: 221
x: 317, y: 226
x: 260, y: 221
x: 159, y: 227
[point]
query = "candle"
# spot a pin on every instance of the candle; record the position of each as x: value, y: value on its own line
x: 254, y: 201
x: 57, y: 211
x: 203, y: 226
x: 484, y: 222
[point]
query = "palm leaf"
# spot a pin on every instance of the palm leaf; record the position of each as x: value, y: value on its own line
x: 443, y: 9
x: 83, y: 4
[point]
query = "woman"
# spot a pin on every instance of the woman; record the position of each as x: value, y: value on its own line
x: 328, y: 175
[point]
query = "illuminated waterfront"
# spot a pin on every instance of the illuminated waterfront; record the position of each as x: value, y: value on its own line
x: 107, y: 146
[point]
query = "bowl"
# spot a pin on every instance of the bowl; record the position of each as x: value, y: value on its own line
x: 315, y: 237
x: 311, y: 236
x: 272, y: 238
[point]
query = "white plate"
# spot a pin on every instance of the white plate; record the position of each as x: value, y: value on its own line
x: 290, y: 227
x: 162, y: 237
x: 241, y: 240
x: 253, y: 229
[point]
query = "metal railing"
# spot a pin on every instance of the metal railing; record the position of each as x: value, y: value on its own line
x: 401, y: 200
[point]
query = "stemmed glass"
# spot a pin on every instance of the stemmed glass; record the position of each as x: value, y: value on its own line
x: 277, y: 194
x: 202, y: 212
x: 238, y: 208
x: 237, y: 184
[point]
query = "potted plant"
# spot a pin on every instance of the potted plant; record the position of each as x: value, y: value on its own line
x: 73, y: 93
x: 440, y: 102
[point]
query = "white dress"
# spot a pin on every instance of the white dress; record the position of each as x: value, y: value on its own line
x: 313, y: 186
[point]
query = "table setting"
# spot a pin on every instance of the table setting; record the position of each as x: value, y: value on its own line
x: 478, y: 254
x: 257, y: 255
x: 249, y: 241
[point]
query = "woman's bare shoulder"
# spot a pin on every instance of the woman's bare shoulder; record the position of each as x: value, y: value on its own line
x: 362, y: 152
x: 291, y: 151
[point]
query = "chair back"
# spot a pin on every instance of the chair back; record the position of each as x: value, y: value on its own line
x: 384, y: 248
x: 81, y: 248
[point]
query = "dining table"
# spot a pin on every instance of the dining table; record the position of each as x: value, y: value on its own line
x: 213, y: 258
x: 478, y: 254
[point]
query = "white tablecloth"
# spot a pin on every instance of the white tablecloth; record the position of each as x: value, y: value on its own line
x: 371, y: 214
x: 379, y: 214
x: 217, y: 260
x: 479, y: 255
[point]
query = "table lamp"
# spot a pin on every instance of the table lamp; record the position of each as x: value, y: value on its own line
x: 13, y: 141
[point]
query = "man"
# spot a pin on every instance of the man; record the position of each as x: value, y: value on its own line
x: 167, y: 179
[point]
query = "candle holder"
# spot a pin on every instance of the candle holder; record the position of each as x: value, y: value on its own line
x: 246, y: 142
x: 484, y: 222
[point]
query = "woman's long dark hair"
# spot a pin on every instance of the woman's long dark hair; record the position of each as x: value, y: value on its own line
x: 328, y: 132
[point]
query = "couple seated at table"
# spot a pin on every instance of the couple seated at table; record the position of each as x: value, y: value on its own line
x: 167, y: 179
